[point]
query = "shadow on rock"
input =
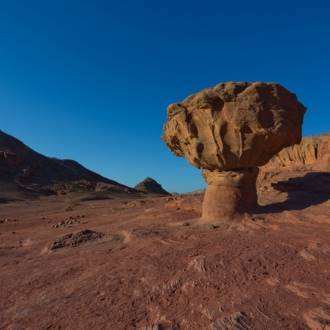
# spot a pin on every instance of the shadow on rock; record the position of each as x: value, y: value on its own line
x: 311, y: 189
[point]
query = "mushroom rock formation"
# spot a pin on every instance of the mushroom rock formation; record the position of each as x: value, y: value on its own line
x: 229, y: 131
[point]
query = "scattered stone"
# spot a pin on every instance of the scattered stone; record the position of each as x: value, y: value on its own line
x: 135, y: 203
x: 152, y: 327
x: 307, y: 255
x: 150, y: 232
x: 72, y: 220
x: 197, y: 264
x: 213, y: 226
x: 165, y: 325
x: 74, y: 240
x: 6, y: 220
x: 318, y: 318
x: 239, y: 321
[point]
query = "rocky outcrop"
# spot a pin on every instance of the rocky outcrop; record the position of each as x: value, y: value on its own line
x: 26, y: 171
x: 76, y: 239
x: 234, y: 125
x: 312, y: 153
x: 151, y: 186
x: 228, y: 131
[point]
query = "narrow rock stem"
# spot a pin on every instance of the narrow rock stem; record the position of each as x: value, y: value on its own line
x: 229, y: 194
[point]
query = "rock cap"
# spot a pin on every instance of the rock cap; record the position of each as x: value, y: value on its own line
x: 234, y: 125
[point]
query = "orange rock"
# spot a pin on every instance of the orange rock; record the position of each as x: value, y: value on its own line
x: 228, y: 131
x: 313, y: 152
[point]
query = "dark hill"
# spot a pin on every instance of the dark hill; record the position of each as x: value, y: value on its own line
x: 27, y: 173
x: 151, y: 186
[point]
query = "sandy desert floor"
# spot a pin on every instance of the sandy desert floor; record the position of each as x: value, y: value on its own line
x: 149, y: 268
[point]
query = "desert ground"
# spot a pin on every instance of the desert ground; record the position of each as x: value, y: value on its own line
x: 145, y: 263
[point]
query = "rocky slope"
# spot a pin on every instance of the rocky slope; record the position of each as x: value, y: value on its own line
x: 24, y: 172
x: 151, y: 186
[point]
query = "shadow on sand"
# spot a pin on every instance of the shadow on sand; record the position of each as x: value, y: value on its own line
x: 311, y: 189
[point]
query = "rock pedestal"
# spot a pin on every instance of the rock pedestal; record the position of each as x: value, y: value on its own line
x: 229, y: 194
x: 228, y: 131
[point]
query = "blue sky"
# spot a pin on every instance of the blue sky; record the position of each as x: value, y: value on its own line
x: 91, y: 80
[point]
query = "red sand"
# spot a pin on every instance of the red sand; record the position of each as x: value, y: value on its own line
x: 155, y: 270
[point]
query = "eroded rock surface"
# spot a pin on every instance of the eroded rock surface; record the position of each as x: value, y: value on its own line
x: 234, y: 125
x: 228, y: 131
x: 313, y: 152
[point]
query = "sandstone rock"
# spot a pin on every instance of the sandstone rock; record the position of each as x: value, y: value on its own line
x: 229, y: 193
x: 234, y: 125
x: 312, y: 153
x: 228, y: 131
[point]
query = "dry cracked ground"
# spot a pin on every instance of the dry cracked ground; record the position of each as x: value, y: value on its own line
x: 70, y: 263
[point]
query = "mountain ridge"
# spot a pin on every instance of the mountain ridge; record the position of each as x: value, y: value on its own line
x: 29, y: 172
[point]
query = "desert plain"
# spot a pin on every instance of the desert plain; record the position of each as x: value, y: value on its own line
x: 141, y: 262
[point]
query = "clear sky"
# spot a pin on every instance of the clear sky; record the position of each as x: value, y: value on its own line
x: 91, y: 80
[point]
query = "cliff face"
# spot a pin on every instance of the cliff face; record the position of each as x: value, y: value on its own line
x: 313, y: 153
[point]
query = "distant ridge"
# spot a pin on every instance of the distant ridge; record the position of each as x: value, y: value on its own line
x: 151, y: 186
x: 26, y: 172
